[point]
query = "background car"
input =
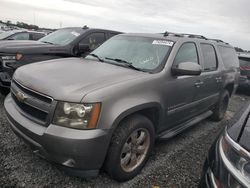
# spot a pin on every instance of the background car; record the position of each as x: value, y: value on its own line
x: 244, y: 81
x: 21, y: 35
x: 228, y: 161
x: 66, y: 42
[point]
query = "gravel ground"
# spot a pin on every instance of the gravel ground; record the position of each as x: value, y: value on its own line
x: 174, y: 163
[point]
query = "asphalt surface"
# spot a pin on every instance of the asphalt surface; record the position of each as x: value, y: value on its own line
x: 174, y: 163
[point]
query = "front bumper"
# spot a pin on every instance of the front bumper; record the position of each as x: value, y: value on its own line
x: 79, y: 152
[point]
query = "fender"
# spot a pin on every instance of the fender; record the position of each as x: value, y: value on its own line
x: 136, y: 109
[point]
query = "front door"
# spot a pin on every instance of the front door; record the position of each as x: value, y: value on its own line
x: 181, y: 90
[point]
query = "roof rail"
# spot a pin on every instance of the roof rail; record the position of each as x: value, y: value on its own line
x: 218, y: 40
x: 184, y: 35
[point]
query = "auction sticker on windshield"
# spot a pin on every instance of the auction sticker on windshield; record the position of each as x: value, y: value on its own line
x: 75, y: 33
x: 163, y: 42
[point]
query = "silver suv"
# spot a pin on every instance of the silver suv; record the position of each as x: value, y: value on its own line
x: 107, y: 109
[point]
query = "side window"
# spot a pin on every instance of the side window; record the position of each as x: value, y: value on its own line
x: 209, y: 57
x: 186, y: 53
x: 94, y: 40
x: 112, y: 34
x: 229, y: 56
x: 36, y: 36
x: 20, y: 36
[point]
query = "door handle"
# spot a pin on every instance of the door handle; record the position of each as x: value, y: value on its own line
x: 198, y: 84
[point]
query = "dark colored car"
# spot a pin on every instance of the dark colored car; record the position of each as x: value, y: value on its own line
x: 67, y: 42
x: 108, y: 108
x: 21, y: 35
x: 228, y: 162
x: 244, y: 81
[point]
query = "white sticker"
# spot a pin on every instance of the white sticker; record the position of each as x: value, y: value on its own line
x: 163, y: 42
x: 75, y: 33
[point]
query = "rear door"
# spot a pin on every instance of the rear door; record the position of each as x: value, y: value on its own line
x: 211, y: 78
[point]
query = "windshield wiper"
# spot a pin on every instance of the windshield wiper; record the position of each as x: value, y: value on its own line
x: 47, y: 42
x: 126, y: 63
x: 96, y: 56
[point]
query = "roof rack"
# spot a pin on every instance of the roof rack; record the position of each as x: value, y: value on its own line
x: 184, y: 35
x: 218, y: 40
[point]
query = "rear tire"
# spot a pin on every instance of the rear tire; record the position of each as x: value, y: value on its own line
x: 221, y: 107
x: 130, y: 147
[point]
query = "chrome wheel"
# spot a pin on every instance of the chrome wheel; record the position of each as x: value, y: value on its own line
x: 135, y: 149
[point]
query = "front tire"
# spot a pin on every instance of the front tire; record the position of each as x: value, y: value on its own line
x: 221, y: 107
x: 131, y: 145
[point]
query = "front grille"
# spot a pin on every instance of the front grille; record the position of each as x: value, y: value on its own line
x: 34, y: 105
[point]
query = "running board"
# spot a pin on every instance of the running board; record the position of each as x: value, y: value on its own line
x: 176, y: 130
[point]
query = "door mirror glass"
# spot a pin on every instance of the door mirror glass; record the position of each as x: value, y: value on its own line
x: 186, y: 68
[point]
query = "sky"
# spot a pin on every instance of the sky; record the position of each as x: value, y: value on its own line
x: 228, y: 20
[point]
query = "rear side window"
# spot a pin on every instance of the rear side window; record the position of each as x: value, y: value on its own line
x: 209, y: 57
x: 186, y: 53
x: 94, y: 40
x: 228, y: 56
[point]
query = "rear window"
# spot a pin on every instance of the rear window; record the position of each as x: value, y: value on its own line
x: 244, y: 61
x: 228, y: 56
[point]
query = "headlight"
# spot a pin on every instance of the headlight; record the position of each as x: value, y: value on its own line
x: 236, y: 159
x: 77, y: 116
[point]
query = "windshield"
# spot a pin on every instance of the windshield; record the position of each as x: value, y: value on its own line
x: 62, y: 36
x: 141, y: 52
x: 6, y: 34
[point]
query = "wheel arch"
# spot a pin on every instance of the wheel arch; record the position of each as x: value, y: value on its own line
x: 153, y: 111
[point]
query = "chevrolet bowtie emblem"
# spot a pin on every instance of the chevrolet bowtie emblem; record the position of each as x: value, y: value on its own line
x: 20, y: 96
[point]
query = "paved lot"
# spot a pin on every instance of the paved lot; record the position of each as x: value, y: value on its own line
x: 174, y: 163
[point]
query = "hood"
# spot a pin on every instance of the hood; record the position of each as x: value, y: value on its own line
x: 70, y: 79
x: 29, y: 47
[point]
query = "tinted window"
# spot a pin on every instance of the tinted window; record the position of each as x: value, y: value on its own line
x: 186, y: 53
x: 94, y: 40
x: 244, y: 61
x: 112, y: 34
x: 20, y: 36
x: 36, y: 36
x: 229, y: 56
x: 209, y: 57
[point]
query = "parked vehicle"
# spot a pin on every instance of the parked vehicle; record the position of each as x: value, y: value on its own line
x: 109, y: 108
x: 244, y: 81
x: 228, y: 161
x: 21, y: 35
x: 67, y: 42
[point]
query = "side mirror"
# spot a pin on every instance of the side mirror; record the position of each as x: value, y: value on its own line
x: 187, y: 68
x: 83, y: 48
